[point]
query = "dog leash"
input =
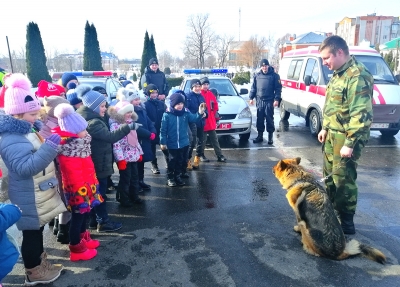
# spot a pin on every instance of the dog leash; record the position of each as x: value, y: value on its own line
x: 336, y: 169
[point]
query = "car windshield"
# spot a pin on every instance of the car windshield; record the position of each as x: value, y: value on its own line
x: 223, y: 85
x: 375, y: 65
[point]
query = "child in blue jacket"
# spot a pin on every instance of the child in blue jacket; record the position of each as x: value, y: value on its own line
x: 174, y: 136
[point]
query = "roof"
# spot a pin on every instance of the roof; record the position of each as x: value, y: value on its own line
x: 309, y: 38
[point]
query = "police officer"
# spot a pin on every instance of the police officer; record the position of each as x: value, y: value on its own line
x: 267, y: 88
x: 347, y: 118
x: 153, y: 75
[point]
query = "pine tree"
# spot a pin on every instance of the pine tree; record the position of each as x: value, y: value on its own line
x: 152, y: 48
x: 35, y: 56
x: 145, y: 57
x: 87, y: 48
x: 91, y: 52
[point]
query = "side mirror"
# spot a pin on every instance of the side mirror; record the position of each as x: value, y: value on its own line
x: 244, y: 91
x: 307, y: 80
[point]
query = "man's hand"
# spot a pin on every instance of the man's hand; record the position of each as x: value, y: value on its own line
x: 251, y: 102
x: 346, y: 151
x: 322, y: 136
x: 161, y: 97
x: 276, y: 103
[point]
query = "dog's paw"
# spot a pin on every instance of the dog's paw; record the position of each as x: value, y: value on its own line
x: 296, y: 228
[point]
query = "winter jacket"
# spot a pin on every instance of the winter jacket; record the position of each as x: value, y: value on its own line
x: 80, y: 184
x: 144, y: 132
x: 212, y: 109
x: 192, y: 104
x: 174, y: 129
x: 32, y: 183
x: 155, y: 110
x: 266, y: 87
x: 9, y: 214
x: 156, y: 78
x: 102, y: 140
x: 122, y: 149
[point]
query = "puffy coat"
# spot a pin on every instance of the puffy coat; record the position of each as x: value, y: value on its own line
x: 102, y: 140
x: 9, y: 214
x: 144, y: 132
x: 174, y: 129
x: 212, y: 109
x: 31, y: 173
x: 193, y: 102
x: 155, y: 110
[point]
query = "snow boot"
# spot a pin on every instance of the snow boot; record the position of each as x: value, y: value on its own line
x: 81, y: 252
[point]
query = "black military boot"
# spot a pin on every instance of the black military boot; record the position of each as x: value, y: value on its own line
x: 259, y: 138
x: 63, y: 233
x: 270, y: 138
x: 346, y: 221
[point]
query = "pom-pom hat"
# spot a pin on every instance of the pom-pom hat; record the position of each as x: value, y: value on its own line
x: 90, y: 98
x: 50, y: 103
x: 69, y: 120
x: 19, y: 98
x: 123, y: 107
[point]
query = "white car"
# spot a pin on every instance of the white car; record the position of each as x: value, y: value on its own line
x: 234, y: 111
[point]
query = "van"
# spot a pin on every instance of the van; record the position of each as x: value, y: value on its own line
x: 304, y: 79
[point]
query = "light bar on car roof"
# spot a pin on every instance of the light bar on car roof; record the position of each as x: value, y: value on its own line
x: 58, y: 75
x: 205, y: 71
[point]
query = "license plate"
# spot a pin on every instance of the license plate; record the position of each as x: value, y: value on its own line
x: 379, y: 126
x: 224, y: 126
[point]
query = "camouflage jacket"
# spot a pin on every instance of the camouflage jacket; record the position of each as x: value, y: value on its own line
x: 348, y: 105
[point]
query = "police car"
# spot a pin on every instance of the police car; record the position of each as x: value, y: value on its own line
x: 234, y: 111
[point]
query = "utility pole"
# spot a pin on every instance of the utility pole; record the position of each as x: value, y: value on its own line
x: 9, y: 54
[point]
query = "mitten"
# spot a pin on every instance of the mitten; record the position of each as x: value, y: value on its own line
x: 152, y: 136
x: 53, y: 141
x: 121, y: 164
x: 140, y: 158
x: 134, y: 126
x: 163, y: 147
x: 202, y: 108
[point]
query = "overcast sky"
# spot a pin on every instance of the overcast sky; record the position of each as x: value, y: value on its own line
x: 121, y: 25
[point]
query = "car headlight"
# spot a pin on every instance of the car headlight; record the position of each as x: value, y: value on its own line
x: 245, y: 113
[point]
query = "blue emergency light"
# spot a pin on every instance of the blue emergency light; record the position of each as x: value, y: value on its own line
x: 205, y: 71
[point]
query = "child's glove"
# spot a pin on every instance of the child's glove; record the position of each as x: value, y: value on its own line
x: 140, y: 158
x: 152, y: 136
x: 202, y: 108
x: 134, y: 126
x: 53, y: 141
x: 163, y: 147
x: 121, y: 164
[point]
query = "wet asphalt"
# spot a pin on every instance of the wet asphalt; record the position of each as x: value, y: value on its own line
x: 231, y: 224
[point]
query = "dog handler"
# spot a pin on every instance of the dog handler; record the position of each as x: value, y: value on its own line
x: 347, y: 118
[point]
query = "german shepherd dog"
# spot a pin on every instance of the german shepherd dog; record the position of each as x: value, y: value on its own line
x: 321, y: 233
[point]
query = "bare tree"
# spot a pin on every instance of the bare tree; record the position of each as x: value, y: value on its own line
x: 222, y: 48
x: 165, y: 59
x: 19, y: 60
x: 210, y: 61
x: 252, y: 51
x: 201, y: 39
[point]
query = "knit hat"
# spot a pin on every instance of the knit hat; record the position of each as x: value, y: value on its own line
x: 67, y: 77
x: 72, y: 97
x: 153, y: 61
x: 176, y: 99
x: 264, y: 62
x: 19, y: 98
x: 69, y: 120
x: 123, y: 107
x: 101, y: 90
x: 150, y: 89
x: 51, y: 102
x: 204, y: 80
x: 46, y: 89
x: 195, y: 82
x: 90, y: 98
x: 126, y: 82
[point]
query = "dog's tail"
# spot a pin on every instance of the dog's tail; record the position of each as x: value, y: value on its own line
x: 353, y: 247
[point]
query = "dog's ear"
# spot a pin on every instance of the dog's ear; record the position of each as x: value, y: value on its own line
x: 282, y: 164
x: 298, y: 159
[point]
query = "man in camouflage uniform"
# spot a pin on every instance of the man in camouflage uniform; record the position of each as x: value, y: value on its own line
x: 346, y: 125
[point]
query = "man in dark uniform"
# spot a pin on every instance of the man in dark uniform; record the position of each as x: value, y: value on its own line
x: 153, y: 75
x: 267, y: 88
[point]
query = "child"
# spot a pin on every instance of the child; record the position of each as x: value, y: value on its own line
x: 210, y: 122
x: 146, y: 134
x: 93, y: 111
x: 78, y: 178
x: 127, y: 152
x: 174, y: 136
x: 155, y: 110
x: 9, y: 214
x: 32, y: 183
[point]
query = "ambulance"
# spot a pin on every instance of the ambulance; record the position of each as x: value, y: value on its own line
x: 304, y: 79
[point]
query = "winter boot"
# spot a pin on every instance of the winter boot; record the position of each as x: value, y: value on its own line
x: 259, y: 138
x: 171, y: 181
x: 41, y: 274
x: 346, y: 221
x: 47, y: 264
x: 196, y: 162
x: 270, y: 138
x: 221, y: 158
x: 90, y: 243
x: 179, y: 180
x: 204, y: 159
x: 189, y: 165
x: 184, y: 173
x: 63, y: 233
x: 81, y: 252
x: 55, y: 227
x: 144, y: 185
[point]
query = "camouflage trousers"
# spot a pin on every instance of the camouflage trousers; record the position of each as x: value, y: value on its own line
x: 341, y: 186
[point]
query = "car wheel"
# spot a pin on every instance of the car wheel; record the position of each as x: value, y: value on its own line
x: 314, y: 122
x: 389, y: 133
x: 283, y: 113
x: 244, y: 137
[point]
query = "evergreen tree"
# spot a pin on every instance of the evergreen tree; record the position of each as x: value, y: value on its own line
x: 91, y: 52
x: 167, y: 71
x: 87, y: 49
x: 152, y: 48
x: 35, y: 55
x: 145, y: 57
